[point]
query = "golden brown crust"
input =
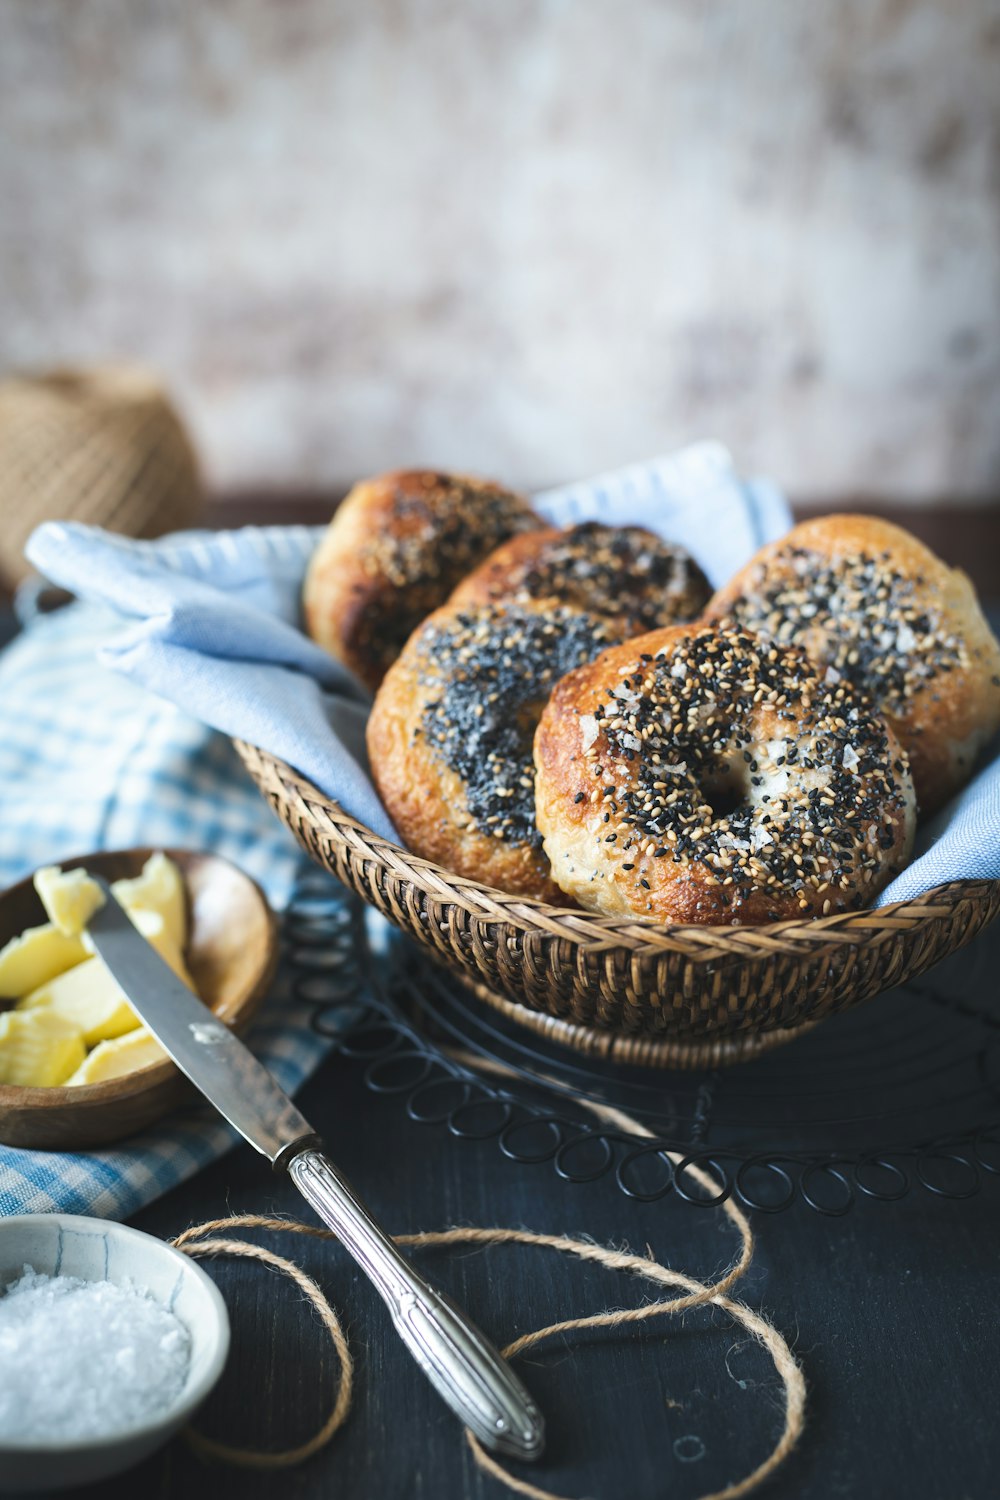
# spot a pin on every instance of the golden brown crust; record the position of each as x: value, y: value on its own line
x: 450, y: 736
x: 700, y: 776
x: 924, y: 652
x: 627, y: 574
x: 395, y: 549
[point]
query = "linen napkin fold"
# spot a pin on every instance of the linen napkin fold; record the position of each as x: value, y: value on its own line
x: 214, y: 627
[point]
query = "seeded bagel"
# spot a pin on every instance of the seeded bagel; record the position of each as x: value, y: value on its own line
x: 450, y: 735
x: 626, y: 574
x: 699, y: 775
x: 395, y: 549
x: 875, y: 607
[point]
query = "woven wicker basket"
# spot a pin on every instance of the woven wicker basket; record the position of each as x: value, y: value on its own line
x: 634, y: 990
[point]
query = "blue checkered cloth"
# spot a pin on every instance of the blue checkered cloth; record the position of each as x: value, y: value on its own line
x: 90, y: 760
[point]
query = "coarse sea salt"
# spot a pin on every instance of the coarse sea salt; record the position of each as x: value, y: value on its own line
x: 589, y: 728
x: 85, y: 1359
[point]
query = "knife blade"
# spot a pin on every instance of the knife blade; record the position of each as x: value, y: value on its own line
x: 213, y: 1057
x: 461, y: 1363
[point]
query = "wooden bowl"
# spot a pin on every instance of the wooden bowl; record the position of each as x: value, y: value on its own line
x: 232, y: 953
x: 708, y: 993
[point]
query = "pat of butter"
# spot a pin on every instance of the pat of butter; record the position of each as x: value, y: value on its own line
x: 38, y: 1049
x: 156, y: 931
x: 88, y: 998
x: 126, y: 1054
x: 159, y: 888
x: 35, y: 957
x: 70, y: 897
x: 92, y: 1000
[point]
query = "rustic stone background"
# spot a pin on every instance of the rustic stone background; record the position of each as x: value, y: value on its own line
x: 533, y: 238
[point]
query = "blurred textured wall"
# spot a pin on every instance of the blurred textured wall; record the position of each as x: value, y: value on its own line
x: 529, y: 237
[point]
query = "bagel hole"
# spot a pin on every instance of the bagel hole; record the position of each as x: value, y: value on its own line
x: 723, y: 801
x: 725, y: 793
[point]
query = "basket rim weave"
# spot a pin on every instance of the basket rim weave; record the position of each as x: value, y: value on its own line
x: 641, y: 935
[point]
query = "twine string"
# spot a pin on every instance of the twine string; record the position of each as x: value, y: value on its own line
x: 192, y: 1244
x: 695, y: 1293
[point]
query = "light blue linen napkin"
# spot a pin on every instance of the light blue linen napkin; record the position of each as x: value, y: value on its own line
x: 214, y: 628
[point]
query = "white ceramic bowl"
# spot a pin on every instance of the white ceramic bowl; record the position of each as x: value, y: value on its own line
x: 95, y: 1250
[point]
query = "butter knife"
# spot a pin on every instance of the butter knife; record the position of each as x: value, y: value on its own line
x: 460, y: 1362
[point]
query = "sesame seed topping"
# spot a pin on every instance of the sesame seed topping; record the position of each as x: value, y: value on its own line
x: 623, y: 573
x: 862, y: 617
x: 440, y: 527
x: 740, y: 715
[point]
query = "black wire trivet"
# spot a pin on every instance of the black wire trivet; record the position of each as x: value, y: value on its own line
x: 898, y: 1093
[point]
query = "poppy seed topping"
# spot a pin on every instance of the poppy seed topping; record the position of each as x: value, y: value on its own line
x: 489, y: 672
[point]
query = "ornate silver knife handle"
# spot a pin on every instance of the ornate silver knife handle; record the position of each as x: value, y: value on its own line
x: 461, y: 1364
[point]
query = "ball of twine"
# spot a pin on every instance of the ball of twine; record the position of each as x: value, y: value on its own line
x: 101, y: 445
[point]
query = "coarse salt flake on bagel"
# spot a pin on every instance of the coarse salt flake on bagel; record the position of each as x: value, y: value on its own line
x: 704, y: 775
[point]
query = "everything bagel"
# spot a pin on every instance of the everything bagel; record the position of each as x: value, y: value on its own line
x: 701, y: 775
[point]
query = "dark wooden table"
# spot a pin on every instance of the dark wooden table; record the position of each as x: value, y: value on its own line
x: 891, y: 1309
